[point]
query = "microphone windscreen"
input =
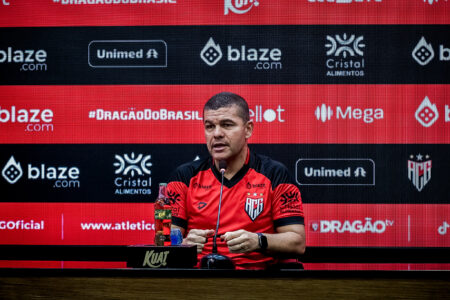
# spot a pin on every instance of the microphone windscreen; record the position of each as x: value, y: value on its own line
x: 222, y: 165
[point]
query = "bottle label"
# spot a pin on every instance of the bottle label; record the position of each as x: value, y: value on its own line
x: 163, y: 214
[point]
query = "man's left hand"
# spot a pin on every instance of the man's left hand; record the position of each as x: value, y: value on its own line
x: 241, y: 241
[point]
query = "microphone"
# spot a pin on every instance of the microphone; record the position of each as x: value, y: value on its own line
x: 215, y: 260
x: 222, y: 168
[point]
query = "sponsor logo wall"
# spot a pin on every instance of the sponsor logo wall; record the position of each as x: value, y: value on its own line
x: 212, y: 12
x: 351, y: 95
x: 264, y: 54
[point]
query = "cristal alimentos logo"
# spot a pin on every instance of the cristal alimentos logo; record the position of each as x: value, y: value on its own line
x: 133, y: 174
x: 61, y: 176
x: 346, y: 55
x: 262, y: 58
x: 34, y: 120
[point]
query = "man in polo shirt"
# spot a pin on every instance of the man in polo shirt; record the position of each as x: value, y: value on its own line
x: 261, y: 213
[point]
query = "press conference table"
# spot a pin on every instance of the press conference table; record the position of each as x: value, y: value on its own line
x: 217, y: 284
x: 188, y: 283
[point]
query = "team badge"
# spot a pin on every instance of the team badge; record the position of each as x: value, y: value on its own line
x: 254, y: 205
x: 419, y: 170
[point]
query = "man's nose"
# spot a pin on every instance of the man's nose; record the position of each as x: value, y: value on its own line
x: 218, y: 132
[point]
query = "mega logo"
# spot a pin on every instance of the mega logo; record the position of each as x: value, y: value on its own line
x: 239, y: 6
x: 133, y: 174
x: 356, y: 226
x: 29, y: 60
x: 34, y: 119
x: 419, y: 170
x: 326, y: 113
x: 61, y: 176
x: 423, y: 53
x: 263, y: 58
x: 346, y: 56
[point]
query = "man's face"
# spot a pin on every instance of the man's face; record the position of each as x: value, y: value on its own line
x: 226, y: 133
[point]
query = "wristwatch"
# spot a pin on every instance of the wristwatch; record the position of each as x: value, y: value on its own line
x: 262, y: 241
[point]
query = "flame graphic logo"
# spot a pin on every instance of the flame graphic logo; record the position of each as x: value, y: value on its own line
x: 12, y: 171
x: 211, y: 53
x: 423, y: 52
x: 427, y: 113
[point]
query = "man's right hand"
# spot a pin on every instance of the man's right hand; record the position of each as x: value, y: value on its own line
x: 198, y: 237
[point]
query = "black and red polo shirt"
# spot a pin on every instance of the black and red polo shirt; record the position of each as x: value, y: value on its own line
x: 259, y: 198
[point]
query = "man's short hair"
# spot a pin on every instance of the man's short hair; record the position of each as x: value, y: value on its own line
x: 227, y: 99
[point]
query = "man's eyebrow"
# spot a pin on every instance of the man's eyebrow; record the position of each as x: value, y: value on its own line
x: 227, y: 120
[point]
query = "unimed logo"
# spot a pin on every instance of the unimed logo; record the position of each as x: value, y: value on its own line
x: 262, y: 58
x: 335, y: 171
x: 28, y: 59
x: 127, y: 54
x: 239, y: 6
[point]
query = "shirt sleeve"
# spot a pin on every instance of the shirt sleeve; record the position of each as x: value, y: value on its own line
x: 287, y: 205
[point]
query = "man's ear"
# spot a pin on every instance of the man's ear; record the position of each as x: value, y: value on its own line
x: 248, y: 129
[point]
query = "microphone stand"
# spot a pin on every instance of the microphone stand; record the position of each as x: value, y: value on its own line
x: 215, y: 260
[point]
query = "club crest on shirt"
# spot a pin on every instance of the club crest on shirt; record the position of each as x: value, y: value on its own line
x: 254, y: 205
